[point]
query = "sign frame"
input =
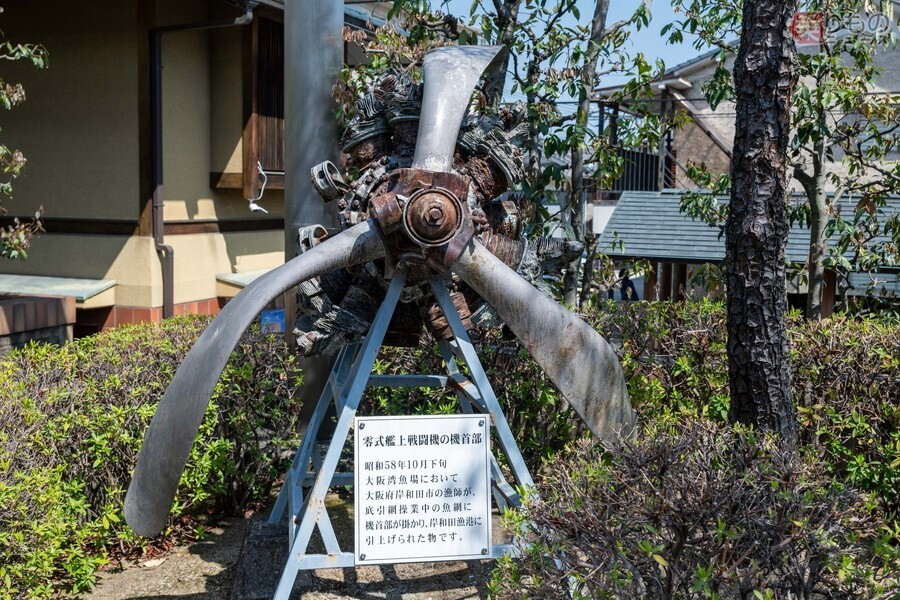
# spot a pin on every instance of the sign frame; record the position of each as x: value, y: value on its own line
x: 362, y: 555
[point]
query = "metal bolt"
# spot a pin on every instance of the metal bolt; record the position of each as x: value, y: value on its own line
x: 362, y: 426
x: 484, y: 551
x: 362, y: 557
x: 481, y: 423
x: 434, y: 216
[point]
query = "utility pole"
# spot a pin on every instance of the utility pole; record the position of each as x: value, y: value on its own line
x: 313, y: 57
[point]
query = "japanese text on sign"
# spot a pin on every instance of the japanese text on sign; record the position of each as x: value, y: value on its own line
x: 422, y: 488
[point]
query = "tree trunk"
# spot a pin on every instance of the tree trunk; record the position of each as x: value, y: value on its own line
x: 757, y: 227
x: 576, y: 202
x: 533, y: 169
x: 506, y: 21
x: 576, y: 222
x: 587, y: 276
x: 817, y: 218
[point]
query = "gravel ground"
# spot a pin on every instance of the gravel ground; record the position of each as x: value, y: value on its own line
x: 205, y: 570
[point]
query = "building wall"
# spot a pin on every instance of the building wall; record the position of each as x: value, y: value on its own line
x: 131, y: 261
x: 226, y: 100
x: 203, y: 116
x: 185, y: 109
x: 199, y: 257
x: 79, y: 129
x: 79, y: 125
x: 692, y: 144
x: 723, y: 118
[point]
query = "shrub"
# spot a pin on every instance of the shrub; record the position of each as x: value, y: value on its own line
x: 698, y: 511
x: 673, y: 355
x: 72, y: 421
x: 71, y: 424
x: 846, y: 381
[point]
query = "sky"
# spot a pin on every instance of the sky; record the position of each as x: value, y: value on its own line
x: 648, y: 40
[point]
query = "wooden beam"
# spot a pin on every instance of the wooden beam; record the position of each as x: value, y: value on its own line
x: 829, y: 294
x: 227, y: 226
x: 235, y: 181
x: 57, y: 225
x: 680, y: 282
x: 650, y: 287
x: 127, y: 228
x: 661, y: 174
x: 250, y: 140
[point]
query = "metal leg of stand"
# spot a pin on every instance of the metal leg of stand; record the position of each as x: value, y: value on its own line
x: 349, y: 378
x: 349, y: 399
x: 503, y: 493
x: 292, y: 490
x: 309, y: 454
x: 468, y: 354
x: 454, y: 375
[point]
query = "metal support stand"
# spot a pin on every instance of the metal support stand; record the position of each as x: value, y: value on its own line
x: 306, y: 483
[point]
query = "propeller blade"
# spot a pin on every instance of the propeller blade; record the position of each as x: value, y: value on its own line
x: 168, y: 441
x: 577, y: 359
x: 450, y: 75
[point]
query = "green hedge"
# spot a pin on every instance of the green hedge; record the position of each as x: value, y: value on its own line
x: 71, y: 423
x: 72, y: 420
x: 845, y: 381
x: 695, y: 510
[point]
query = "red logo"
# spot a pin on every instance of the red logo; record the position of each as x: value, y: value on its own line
x: 808, y: 28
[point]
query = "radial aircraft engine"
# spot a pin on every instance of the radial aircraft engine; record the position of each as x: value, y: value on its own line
x: 428, y: 197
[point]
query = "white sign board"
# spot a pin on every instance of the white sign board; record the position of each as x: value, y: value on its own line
x: 422, y: 488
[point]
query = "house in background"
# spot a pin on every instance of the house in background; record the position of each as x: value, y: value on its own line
x: 87, y: 132
x: 650, y: 226
x: 642, y: 207
x: 707, y: 139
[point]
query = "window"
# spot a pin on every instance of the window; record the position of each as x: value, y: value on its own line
x: 264, y: 105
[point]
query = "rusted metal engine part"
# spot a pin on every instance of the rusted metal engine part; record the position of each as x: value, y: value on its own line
x: 427, y: 218
x: 420, y: 214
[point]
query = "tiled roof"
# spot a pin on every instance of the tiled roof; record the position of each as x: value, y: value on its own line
x: 650, y: 225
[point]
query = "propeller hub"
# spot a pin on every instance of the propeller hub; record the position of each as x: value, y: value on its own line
x: 432, y: 216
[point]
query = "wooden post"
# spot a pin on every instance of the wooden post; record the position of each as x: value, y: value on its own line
x: 661, y: 173
x: 829, y: 294
x: 665, y: 288
x: 680, y: 282
x: 650, y: 289
x: 614, y: 126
